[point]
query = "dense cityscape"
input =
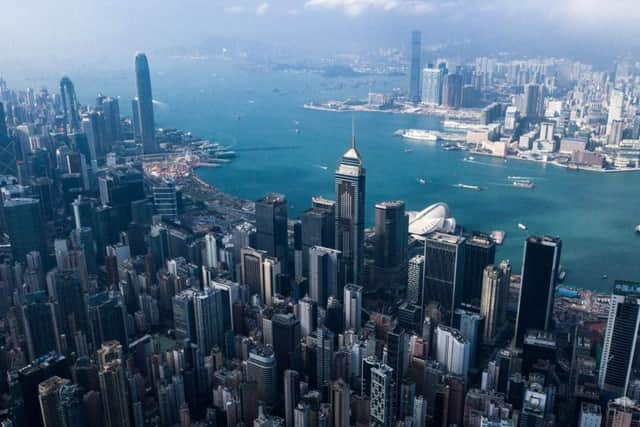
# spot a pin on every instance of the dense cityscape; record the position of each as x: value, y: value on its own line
x: 134, y: 293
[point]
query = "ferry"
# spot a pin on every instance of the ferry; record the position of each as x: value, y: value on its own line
x: 522, y: 226
x: 419, y: 135
x: 468, y: 187
x: 524, y: 184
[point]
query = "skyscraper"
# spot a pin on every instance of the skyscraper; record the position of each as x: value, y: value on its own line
x: 69, y: 105
x: 390, y: 260
x: 308, y: 316
x: 324, y: 274
x: 291, y: 395
x: 324, y: 355
x: 7, y: 148
x: 532, y: 101
x: 538, y: 283
x: 452, y: 90
x: 452, y: 350
x: 353, y: 307
x: 261, y: 368
x: 23, y: 220
x: 165, y: 199
x: 271, y: 227
x: 40, y: 324
x: 479, y: 252
x: 113, y: 389
x: 318, y: 228
x: 431, y: 86
x: 621, y: 337
x: 381, y: 409
x: 209, y: 321
x: 443, y: 275
x: 145, y: 105
x: 286, y: 341
x: 415, y: 280
x: 49, y: 397
x: 416, y: 67
x: 493, y: 306
x: 350, y: 195
x: 340, y: 400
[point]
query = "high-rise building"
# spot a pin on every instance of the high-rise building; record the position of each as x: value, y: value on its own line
x: 538, y: 284
x: 69, y: 104
x: 479, y: 252
x: 23, y: 221
x: 621, y: 337
x: 352, y: 307
x: 390, y: 260
x: 107, y: 318
x: 452, y: 350
x: 420, y: 411
x: 286, y: 341
x: 252, y: 261
x: 271, y: 227
x: 623, y: 412
x: 350, y: 196
x: 40, y: 325
x: 415, y: 280
x: 324, y: 274
x: 110, y: 109
x: 324, y: 355
x: 493, y: 306
x: 340, y: 401
x: 291, y: 396
x: 165, y: 197
x: 261, y: 368
x: 92, y: 125
x: 382, y: 408
x: 49, y: 397
x: 146, y: 119
x: 7, y: 148
x: 431, y: 86
x: 65, y: 288
x: 209, y: 319
x: 113, y: 389
x: 532, y: 101
x: 452, y: 91
x: 443, y: 275
x: 590, y: 415
x: 318, y: 227
x: 415, y: 67
x: 211, y: 251
x: 302, y: 416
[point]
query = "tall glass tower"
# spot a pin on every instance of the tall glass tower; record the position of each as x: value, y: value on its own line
x: 145, y: 105
x: 69, y: 104
x: 350, y: 193
x: 416, y: 67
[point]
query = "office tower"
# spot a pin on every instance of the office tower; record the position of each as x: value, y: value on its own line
x: 165, y: 197
x: 390, y: 260
x: 146, y: 122
x: 252, y: 262
x: 261, y: 368
x: 72, y: 410
x: 291, y: 396
x: 92, y: 125
x: 616, y: 107
x: 308, y: 316
x: 493, y: 306
x: 479, y: 252
x: 324, y: 355
x: 40, y: 324
x: 29, y: 379
x: 350, y: 196
x: 184, y: 322
x: 118, y: 189
x: 352, y: 307
x: 83, y: 212
x: 452, y: 350
x: 209, y: 320
x: 49, y: 397
x: 69, y: 105
x: 416, y: 67
x: 415, y: 280
x: 469, y: 324
x: 431, y: 86
x: 381, y: 409
x: 532, y: 101
x: 443, y: 275
x: 615, y: 133
x: 65, y: 287
x: 211, y: 250
x: 135, y: 119
x: 302, y: 416
x: 7, y: 148
x: 23, y: 221
x: 622, y: 412
x: 318, y: 226
x: 420, y: 411
x: 511, y: 117
x: 340, y: 399
x: 324, y: 274
x: 113, y: 389
x: 272, y: 269
x: 547, y: 129
x: 286, y: 341
x: 110, y: 109
x: 452, y: 91
x: 271, y: 227
x: 107, y: 318
x: 538, y: 284
x: 334, y: 315
x: 620, y: 338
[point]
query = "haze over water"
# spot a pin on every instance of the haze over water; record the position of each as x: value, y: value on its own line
x: 256, y: 112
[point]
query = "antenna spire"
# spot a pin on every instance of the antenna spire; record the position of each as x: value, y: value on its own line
x: 353, y: 132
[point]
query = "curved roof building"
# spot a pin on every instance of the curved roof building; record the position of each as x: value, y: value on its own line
x: 433, y: 218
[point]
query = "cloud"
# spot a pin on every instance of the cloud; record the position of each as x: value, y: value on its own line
x: 262, y: 8
x: 357, y: 7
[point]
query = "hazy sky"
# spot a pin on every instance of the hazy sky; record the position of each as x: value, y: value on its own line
x: 50, y: 34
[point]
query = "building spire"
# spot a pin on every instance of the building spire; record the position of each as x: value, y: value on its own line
x: 353, y: 132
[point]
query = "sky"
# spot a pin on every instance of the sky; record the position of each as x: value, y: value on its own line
x: 45, y: 34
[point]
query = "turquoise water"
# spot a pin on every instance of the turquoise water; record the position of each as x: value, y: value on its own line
x: 595, y: 214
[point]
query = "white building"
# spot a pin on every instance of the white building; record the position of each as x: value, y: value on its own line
x: 452, y: 350
x: 352, y: 307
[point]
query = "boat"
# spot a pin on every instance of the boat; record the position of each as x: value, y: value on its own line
x: 638, y: 228
x: 468, y: 187
x: 408, y: 150
x: 522, y: 226
x: 524, y: 184
x: 323, y: 167
x: 419, y: 135
x: 451, y: 147
x: 297, y: 131
x: 605, y: 277
x: 469, y: 159
x: 498, y: 236
x: 421, y: 181
x: 562, y: 275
